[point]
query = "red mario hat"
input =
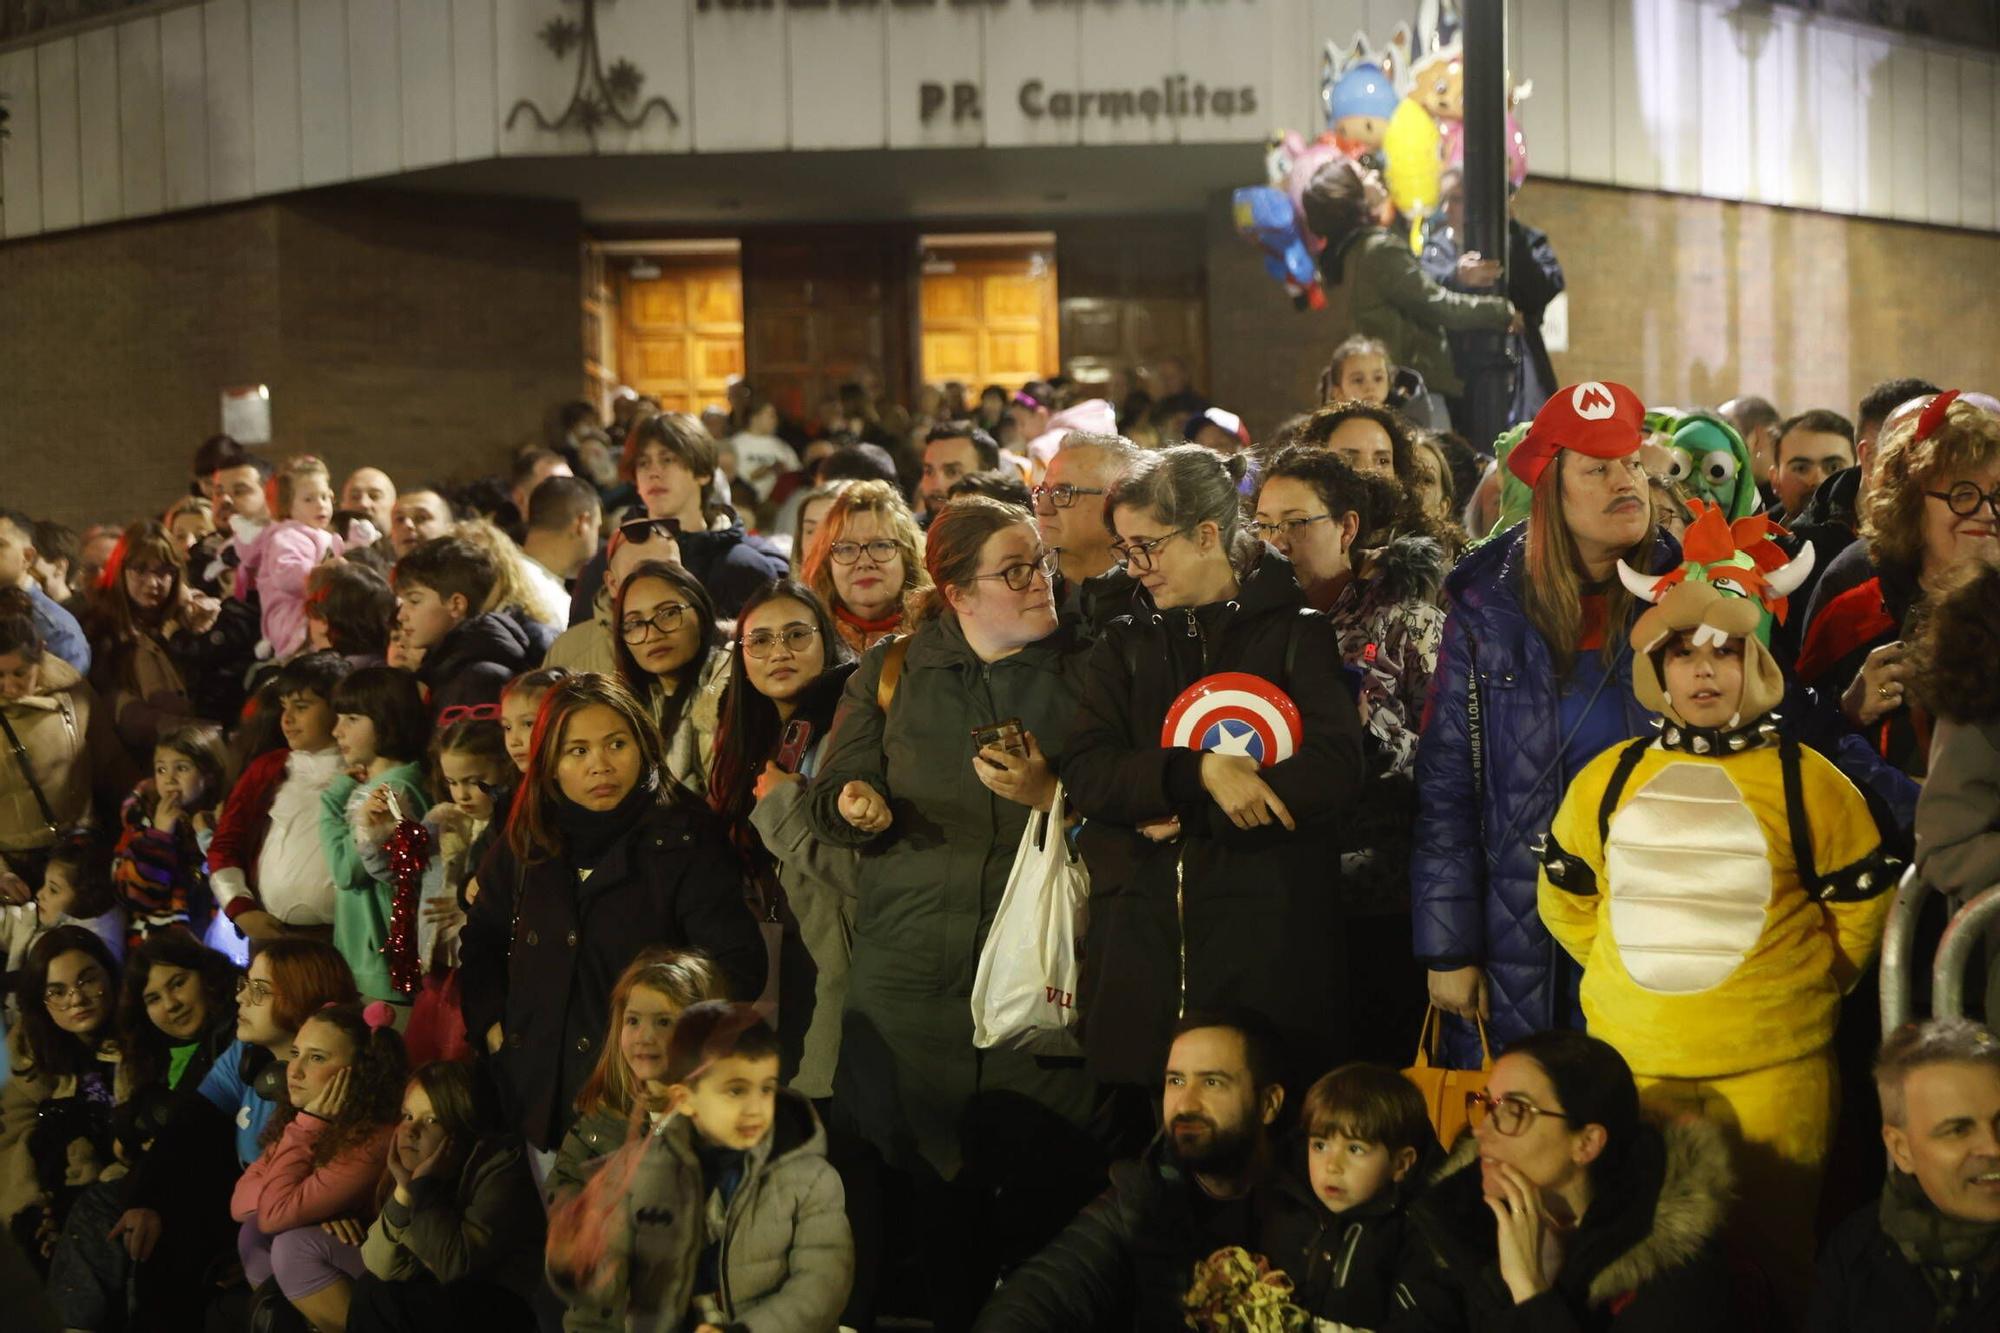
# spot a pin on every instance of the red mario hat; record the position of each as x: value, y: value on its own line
x: 1597, y: 418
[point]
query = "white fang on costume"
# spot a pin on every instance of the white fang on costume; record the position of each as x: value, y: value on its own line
x: 1690, y: 879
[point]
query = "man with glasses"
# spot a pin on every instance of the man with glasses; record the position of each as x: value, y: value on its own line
x: 1069, y: 511
x: 1208, y: 1181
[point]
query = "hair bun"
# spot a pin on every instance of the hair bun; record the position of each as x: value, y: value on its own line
x: 1237, y: 466
x: 378, y: 1014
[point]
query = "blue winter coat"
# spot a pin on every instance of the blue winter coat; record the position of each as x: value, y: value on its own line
x: 1485, y: 803
x: 1487, y: 791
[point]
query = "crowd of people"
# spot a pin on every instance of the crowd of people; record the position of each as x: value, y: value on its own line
x: 556, y: 900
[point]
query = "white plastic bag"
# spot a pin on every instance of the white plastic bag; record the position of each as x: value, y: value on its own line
x: 1024, y: 993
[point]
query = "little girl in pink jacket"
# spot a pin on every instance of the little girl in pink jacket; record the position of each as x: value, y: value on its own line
x: 282, y: 557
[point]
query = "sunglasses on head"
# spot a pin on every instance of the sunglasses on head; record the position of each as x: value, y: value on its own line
x: 639, y: 531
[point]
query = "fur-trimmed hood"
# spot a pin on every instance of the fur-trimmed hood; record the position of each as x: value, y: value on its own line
x: 1410, y: 568
x: 1670, y: 1210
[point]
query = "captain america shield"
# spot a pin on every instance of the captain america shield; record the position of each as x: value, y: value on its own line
x: 1234, y: 712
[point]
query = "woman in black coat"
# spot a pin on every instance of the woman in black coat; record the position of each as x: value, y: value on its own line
x: 176, y: 1017
x: 592, y: 869
x: 1213, y: 881
x: 1565, y: 1212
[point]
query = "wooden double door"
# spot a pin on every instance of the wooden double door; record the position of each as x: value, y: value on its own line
x: 680, y: 330
x: 990, y: 319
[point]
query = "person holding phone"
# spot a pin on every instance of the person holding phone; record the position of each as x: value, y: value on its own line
x: 787, y: 666
x: 937, y: 823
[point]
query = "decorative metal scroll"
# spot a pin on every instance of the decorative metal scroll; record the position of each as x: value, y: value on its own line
x: 602, y: 96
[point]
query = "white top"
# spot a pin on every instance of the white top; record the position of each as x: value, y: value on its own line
x: 757, y: 455
x: 293, y: 877
x: 551, y: 598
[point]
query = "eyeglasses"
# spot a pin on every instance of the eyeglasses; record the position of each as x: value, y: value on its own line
x: 796, y: 638
x: 1063, y: 495
x: 639, y: 531
x: 1965, y: 497
x: 881, y: 551
x: 1019, y: 577
x: 86, y: 989
x: 252, y: 992
x: 458, y: 713
x: 1287, y: 528
x: 1511, y: 1115
x: 1139, y: 555
x: 666, y: 618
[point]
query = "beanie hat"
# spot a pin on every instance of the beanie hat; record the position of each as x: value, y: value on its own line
x: 1597, y: 418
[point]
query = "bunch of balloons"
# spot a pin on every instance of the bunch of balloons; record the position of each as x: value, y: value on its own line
x: 1399, y: 111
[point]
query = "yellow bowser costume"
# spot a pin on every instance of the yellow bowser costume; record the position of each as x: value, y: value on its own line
x: 1722, y: 888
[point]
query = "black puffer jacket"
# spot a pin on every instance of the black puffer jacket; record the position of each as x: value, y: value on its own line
x: 1646, y: 1259
x: 1219, y: 915
x: 541, y: 951
x: 471, y: 663
x: 1343, y: 1266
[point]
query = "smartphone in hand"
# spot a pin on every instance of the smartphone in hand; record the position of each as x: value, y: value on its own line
x: 792, y: 749
x: 1008, y: 735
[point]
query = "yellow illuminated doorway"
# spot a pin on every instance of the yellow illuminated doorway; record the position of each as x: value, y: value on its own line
x: 989, y: 310
x: 679, y: 321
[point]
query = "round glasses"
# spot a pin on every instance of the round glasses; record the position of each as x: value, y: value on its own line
x: 1139, y: 555
x: 764, y: 642
x: 1019, y: 577
x: 1511, y: 1115
x: 1965, y: 497
x: 881, y: 551
x: 1063, y: 495
x: 666, y: 618
x: 87, y: 988
x: 252, y: 992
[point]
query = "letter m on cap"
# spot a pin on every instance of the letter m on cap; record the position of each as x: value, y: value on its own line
x: 1592, y: 401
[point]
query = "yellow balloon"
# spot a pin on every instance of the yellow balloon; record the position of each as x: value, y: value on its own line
x: 1415, y: 162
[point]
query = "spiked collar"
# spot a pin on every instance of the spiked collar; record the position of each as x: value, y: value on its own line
x: 1719, y: 740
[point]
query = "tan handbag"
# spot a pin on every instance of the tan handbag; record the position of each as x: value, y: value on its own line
x: 1444, y: 1088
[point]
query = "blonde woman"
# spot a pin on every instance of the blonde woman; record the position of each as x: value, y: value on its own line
x: 514, y: 592
x: 865, y: 561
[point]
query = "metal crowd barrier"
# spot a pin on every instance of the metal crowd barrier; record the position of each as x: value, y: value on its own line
x: 1967, y: 928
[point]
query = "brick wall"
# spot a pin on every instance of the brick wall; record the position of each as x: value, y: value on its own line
x: 426, y: 334
x: 1690, y: 301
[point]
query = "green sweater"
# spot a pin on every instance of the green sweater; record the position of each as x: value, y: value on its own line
x: 361, y: 900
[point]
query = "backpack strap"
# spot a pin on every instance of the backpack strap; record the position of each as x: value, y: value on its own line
x: 892, y: 672
x: 1292, y: 635
x: 1614, y: 787
x: 1797, y: 818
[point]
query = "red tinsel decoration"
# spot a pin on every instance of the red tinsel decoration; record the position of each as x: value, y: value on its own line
x: 409, y: 851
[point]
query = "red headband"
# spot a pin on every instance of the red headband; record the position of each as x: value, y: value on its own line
x: 457, y: 713
x: 1933, y: 415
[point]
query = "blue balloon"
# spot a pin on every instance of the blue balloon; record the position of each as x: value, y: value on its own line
x: 1363, y: 90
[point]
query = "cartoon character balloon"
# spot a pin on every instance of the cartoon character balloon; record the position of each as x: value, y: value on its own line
x: 1272, y: 216
x: 1358, y: 92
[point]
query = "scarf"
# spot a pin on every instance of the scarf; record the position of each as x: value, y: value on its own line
x: 1953, y: 1255
x: 868, y: 630
x: 588, y: 834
